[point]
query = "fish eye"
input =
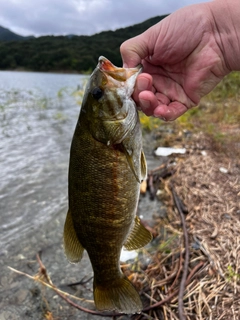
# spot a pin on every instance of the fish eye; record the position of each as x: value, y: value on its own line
x: 97, y: 93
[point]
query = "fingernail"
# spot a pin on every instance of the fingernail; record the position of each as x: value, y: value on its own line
x: 142, y: 84
x: 162, y: 118
x: 157, y: 113
x: 159, y: 117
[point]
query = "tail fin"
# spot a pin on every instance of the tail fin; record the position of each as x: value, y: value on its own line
x: 121, y: 297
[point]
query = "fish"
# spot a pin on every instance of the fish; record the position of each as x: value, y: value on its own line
x: 106, y: 167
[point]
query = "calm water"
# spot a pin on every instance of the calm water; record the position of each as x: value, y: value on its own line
x: 38, y: 113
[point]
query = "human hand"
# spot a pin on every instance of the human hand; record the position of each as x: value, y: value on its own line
x: 182, y: 61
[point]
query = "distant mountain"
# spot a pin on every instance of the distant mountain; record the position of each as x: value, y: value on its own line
x: 7, y: 35
x: 69, y: 53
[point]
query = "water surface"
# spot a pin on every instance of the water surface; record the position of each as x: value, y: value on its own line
x: 38, y: 113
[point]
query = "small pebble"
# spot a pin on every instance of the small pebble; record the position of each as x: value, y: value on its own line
x: 223, y: 170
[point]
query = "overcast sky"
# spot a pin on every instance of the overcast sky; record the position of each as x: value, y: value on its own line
x: 81, y: 17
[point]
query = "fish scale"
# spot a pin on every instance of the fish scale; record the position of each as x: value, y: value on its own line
x: 106, y: 166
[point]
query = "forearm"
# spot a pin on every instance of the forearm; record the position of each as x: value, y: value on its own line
x: 226, y: 14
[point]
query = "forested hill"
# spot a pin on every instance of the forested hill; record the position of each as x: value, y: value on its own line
x: 7, y: 35
x: 67, y: 53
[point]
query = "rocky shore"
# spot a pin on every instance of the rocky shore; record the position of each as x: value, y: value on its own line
x: 24, y: 298
x: 208, y: 184
x: 21, y: 297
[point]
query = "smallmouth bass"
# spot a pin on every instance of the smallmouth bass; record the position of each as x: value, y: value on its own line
x: 106, y: 167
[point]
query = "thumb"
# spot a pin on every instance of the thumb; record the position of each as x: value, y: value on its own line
x: 134, y: 50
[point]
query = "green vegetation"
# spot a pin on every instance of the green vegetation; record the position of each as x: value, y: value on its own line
x: 7, y: 35
x: 149, y: 123
x: 232, y: 275
x: 218, y: 116
x: 221, y: 106
x: 67, y: 53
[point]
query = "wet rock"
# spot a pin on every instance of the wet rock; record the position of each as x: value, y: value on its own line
x: 9, y: 314
x: 21, y: 295
x: 161, y: 213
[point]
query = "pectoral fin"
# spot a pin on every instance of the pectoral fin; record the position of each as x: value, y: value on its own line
x: 143, y: 166
x: 134, y: 166
x: 139, y: 168
x: 72, y: 246
x: 139, y: 236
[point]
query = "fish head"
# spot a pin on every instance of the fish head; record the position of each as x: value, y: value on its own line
x: 107, y: 102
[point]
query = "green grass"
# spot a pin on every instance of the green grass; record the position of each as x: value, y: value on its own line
x: 231, y: 274
x: 227, y: 88
x: 218, y: 116
x: 149, y: 123
x: 219, y: 106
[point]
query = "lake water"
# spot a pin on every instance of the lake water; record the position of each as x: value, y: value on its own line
x: 38, y: 113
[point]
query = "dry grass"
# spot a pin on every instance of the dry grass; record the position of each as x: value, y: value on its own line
x: 209, y: 186
x: 213, y: 201
x: 212, y: 287
x: 208, y: 183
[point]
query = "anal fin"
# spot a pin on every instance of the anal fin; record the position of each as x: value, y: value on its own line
x: 72, y: 246
x: 138, y: 237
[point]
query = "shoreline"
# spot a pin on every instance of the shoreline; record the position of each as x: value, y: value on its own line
x: 21, y: 297
x: 49, y: 71
x: 200, y: 173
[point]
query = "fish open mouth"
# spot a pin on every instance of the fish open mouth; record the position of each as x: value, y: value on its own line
x: 120, y: 74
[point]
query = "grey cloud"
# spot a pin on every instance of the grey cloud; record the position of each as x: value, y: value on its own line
x: 87, y: 17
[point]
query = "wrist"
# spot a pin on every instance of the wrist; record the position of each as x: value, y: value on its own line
x: 226, y: 26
